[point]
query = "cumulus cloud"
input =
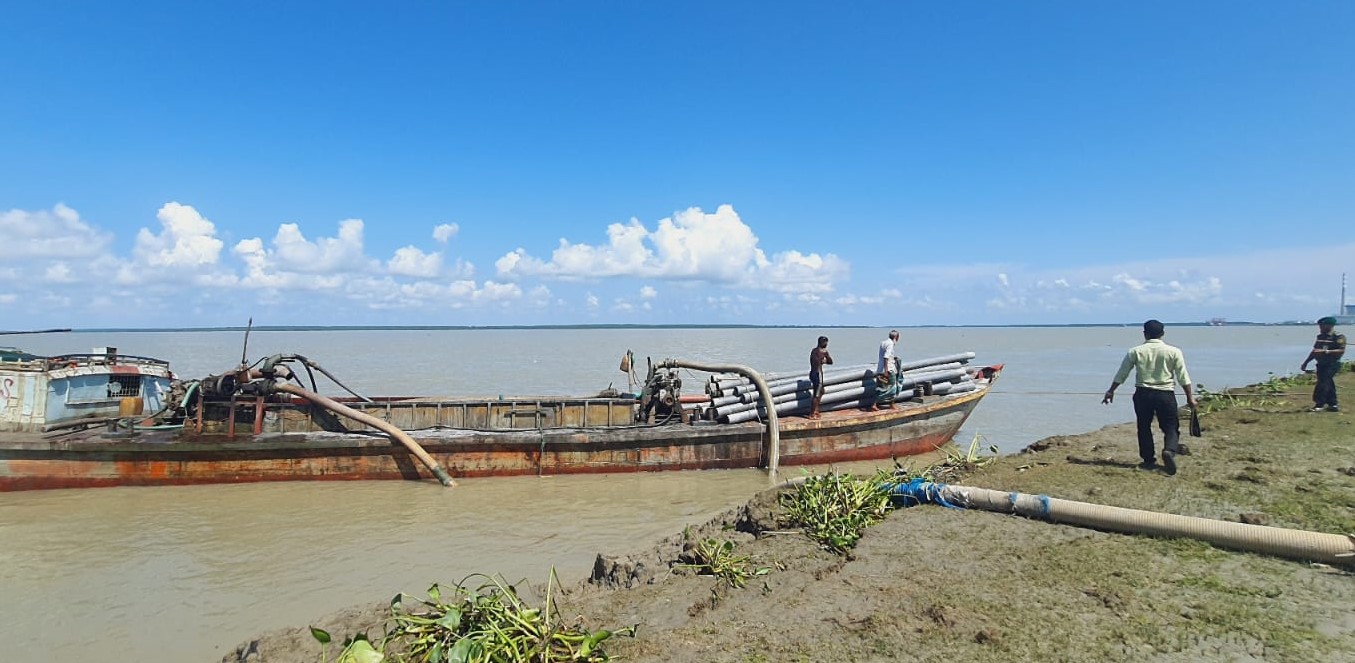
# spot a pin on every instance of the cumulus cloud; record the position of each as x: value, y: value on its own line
x: 58, y: 233
x: 186, y: 239
x: 648, y: 292
x: 410, y: 261
x: 691, y: 245
x: 326, y: 255
x: 293, y: 262
x: 58, y: 272
x: 443, y: 233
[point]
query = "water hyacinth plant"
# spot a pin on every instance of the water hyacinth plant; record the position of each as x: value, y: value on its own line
x: 834, y: 509
x: 484, y: 623
x: 717, y: 558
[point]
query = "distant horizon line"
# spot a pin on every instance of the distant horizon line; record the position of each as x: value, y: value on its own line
x: 277, y: 328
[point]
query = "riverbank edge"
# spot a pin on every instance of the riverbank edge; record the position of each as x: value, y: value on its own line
x: 929, y: 582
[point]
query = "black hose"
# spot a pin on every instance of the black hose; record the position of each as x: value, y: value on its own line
x: 310, y: 364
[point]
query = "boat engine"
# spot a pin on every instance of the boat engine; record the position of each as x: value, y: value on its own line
x: 659, y: 399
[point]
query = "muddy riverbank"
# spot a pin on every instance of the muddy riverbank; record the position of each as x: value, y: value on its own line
x: 930, y: 583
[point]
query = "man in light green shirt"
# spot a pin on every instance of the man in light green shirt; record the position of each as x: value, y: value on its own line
x: 1158, y: 368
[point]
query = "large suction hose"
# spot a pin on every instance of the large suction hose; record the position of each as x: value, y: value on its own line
x: 362, y: 417
x: 1278, y: 541
x: 774, y: 453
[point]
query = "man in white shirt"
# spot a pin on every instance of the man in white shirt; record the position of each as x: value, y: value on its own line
x: 885, y: 366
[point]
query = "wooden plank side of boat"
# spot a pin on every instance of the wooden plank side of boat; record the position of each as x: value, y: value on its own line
x: 158, y: 458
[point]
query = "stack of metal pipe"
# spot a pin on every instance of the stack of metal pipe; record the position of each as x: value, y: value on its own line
x: 735, y: 400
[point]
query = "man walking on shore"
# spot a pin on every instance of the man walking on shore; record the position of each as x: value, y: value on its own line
x: 1327, y: 351
x: 1157, y: 367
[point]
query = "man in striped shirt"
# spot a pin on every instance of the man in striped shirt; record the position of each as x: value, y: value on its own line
x: 1158, y: 368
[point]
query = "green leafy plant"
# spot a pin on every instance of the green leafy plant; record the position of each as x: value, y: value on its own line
x: 959, y: 462
x: 834, y: 509
x: 1217, y: 401
x: 717, y: 558
x: 357, y: 649
x: 483, y: 623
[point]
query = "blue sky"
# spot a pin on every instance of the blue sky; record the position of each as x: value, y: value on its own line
x: 892, y: 163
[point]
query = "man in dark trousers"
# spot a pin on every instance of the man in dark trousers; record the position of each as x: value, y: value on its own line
x: 1157, y: 367
x: 817, y: 358
x: 1327, y: 351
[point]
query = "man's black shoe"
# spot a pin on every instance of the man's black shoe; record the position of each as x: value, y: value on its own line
x: 1169, y: 463
x: 1182, y: 449
x: 1148, y: 465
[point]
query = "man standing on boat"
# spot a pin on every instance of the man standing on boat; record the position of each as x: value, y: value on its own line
x: 884, y: 366
x: 1157, y: 367
x: 1327, y: 351
x: 817, y: 358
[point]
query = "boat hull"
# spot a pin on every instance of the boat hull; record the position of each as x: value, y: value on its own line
x: 159, y: 458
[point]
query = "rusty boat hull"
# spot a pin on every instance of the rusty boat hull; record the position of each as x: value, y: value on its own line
x: 248, y: 440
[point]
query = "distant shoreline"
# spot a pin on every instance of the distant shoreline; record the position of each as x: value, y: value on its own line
x: 530, y: 327
x: 302, y: 328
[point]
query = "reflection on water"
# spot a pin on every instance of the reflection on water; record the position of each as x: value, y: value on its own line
x: 185, y: 573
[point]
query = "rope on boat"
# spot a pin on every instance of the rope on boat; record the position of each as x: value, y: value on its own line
x: 1278, y: 541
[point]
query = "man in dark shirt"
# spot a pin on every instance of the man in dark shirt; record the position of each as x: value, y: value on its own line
x: 817, y: 358
x: 1327, y: 351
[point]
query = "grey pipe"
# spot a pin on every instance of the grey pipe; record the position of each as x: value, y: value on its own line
x: 802, y: 381
x: 954, y: 387
x: 740, y: 406
x: 791, y: 407
x: 1278, y: 541
x: 735, y: 413
x: 774, y: 432
x: 792, y: 387
x: 740, y: 385
x: 961, y: 357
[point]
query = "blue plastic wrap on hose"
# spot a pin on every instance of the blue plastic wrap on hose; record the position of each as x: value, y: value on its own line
x: 920, y: 491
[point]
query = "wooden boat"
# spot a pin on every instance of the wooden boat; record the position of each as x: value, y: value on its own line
x: 254, y: 424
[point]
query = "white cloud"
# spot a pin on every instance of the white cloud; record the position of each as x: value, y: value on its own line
x: 58, y: 272
x: 793, y: 271
x: 293, y: 262
x: 186, y: 239
x: 410, y: 261
x: 58, y: 233
x: 648, y: 292
x: 326, y: 255
x: 492, y: 291
x: 8, y: 298
x: 1002, y: 278
x: 593, y: 303
x: 692, y: 245
x: 443, y: 233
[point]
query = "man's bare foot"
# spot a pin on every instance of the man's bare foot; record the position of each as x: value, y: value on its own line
x: 873, y: 408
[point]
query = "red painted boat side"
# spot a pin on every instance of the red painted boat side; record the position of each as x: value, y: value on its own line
x: 158, y: 459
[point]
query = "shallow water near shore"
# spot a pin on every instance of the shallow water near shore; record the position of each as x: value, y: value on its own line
x: 94, y: 574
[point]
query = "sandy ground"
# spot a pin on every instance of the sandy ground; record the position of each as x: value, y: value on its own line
x: 931, y: 583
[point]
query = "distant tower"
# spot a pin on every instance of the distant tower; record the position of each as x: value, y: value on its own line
x: 1347, y: 309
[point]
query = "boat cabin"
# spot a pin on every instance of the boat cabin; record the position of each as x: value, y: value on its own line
x: 39, y: 394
